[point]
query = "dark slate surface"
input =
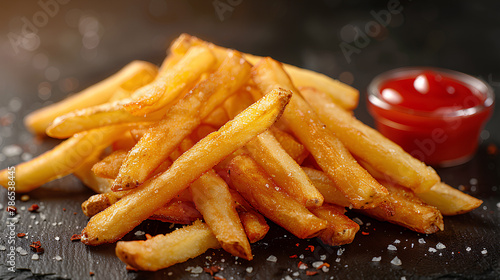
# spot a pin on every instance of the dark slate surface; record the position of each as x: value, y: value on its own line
x: 80, y: 43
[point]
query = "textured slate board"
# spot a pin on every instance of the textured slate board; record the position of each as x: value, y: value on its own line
x: 305, y: 35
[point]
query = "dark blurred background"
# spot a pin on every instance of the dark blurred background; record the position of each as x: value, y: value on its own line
x: 52, y: 48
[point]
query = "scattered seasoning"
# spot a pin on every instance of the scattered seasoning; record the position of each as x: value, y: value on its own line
x: 21, y: 234
x: 468, y: 249
x: 365, y: 233
x: 211, y: 270
x: 272, y: 258
x: 340, y: 251
x: 58, y: 258
x: 76, y: 237
x: 421, y: 241
x: 91, y: 273
x: 64, y: 209
x: 249, y: 269
x: 3, y: 248
x: 392, y: 248
x: 301, y: 265
x: 11, y: 209
x: 25, y: 197
x: 376, y: 259
x: 484, y: 251
x: 396, y: 261
x: 432, y: 250
x: 323, y: 265
x: 219, y: 278
x: 440, y: 246
x: 317, y: 264
x: 74, y: 213
x: 35, y: 257
x: 57, y: 238
x: 397, y: 241
x: 310, y: 247
x: 311, y: 273
x: 293, y: 256
x: 492, y: 149
x: 37, y: 247
x: 139, y: 233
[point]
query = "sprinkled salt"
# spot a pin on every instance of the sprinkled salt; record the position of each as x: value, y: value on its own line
x: 403, y: 278
x: 340, y: 251
x: 322, y: 257
x: 397, y: 241
x: 139, y: 233
x: 376, y: 259
x: 325, y: 268
x: 392, y: 248
x: 317, y: 264
x: 301, y: 256
x: 473, y: 181
x: 26, y: 156
x: 358, y: 221
x: 3, y: 248
x: 337, y: 260
x: 498, y: 205
x: 421, y: 241
x: 468, y: 249
x: 484, y: 252
x: 296, y: 273
x: 396, y: 261
x: 12, y: 150
x: 432, y: 250
x: 288, y: 277
x: 58, y: 258
x: 272, y: 258
x: 440, y: 246
x: 57, y: 238
x: 1, y: 206
x: 302, y: 266
x: 249, y: 269
x: 35, y: 257
x: 197, y: 270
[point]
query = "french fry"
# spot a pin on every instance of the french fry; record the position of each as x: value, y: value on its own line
x: 212, y: 198
x: 449, y: 200
x: 371, y: 146
x: 129, y: 78
x: 165, y: 89
x: 110, y: 165
x: 296, y: 150
x: 120, y: 218
x: 163, y: 137
x: 255, y: 225
x: 340, y: 230
x: 326, y: 187
x: 99, y: 202
x: 163, y: 251
x: 269, y: 154
x: 64, y: 158
x: 86, y: 175
x: 358, y: 186
x: 217, y: 118
x: 96, y: 116
x: 252, y: 182
x: 179, y: 212
x: 345, y: 95
x: 407, y: 210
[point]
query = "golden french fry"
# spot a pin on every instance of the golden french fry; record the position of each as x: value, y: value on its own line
x: 94, y: 117
x: 344, y: 95
x: 163, y: 137
x: 217, y: 118
x: 340, y: 230
x: 86, y: 175
x: 179, y: 212
x: 110, y: 165
x: 255, y: 225
x: 214, y: 201
x: 129, y: 77
x: 63, y: 159
x: 99, y: 202
x: 120, y: 218
x: 285, y: 171
x: 359, y: 187
x: 407, y: 210
x: 326, y: 187
x: 252, y: 182
x: 165, y: 89
x: 296, y: 150
x: 449, y: 200
x: 369, y: 145
x: 166, y: 250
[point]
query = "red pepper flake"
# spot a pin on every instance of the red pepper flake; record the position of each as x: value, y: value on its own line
x: 131, y: 268
x: 64, y: 209
x: 76, y: 237
x: 74, y: 213
x: 310, y: 247
x: 219, y: 278
x: 21, y: 234
x: 297, y: 244
x: 33, y: 207
x: 311, y: 273
x: 212, y: 270
x: 293, y: 256
x: 91, y: 273
x: 12, y: 209
x: 36, y: 247
x: 301, y: 263
x: 365, y: 233
x: 324, y: 264
x: 492, y: 149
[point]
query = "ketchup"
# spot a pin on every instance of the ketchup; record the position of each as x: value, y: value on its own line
x: 436, y: 115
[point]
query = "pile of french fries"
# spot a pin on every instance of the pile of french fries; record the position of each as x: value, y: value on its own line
x: 222, y: 142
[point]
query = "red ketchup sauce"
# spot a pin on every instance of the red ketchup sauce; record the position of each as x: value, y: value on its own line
x: 436, y: 115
